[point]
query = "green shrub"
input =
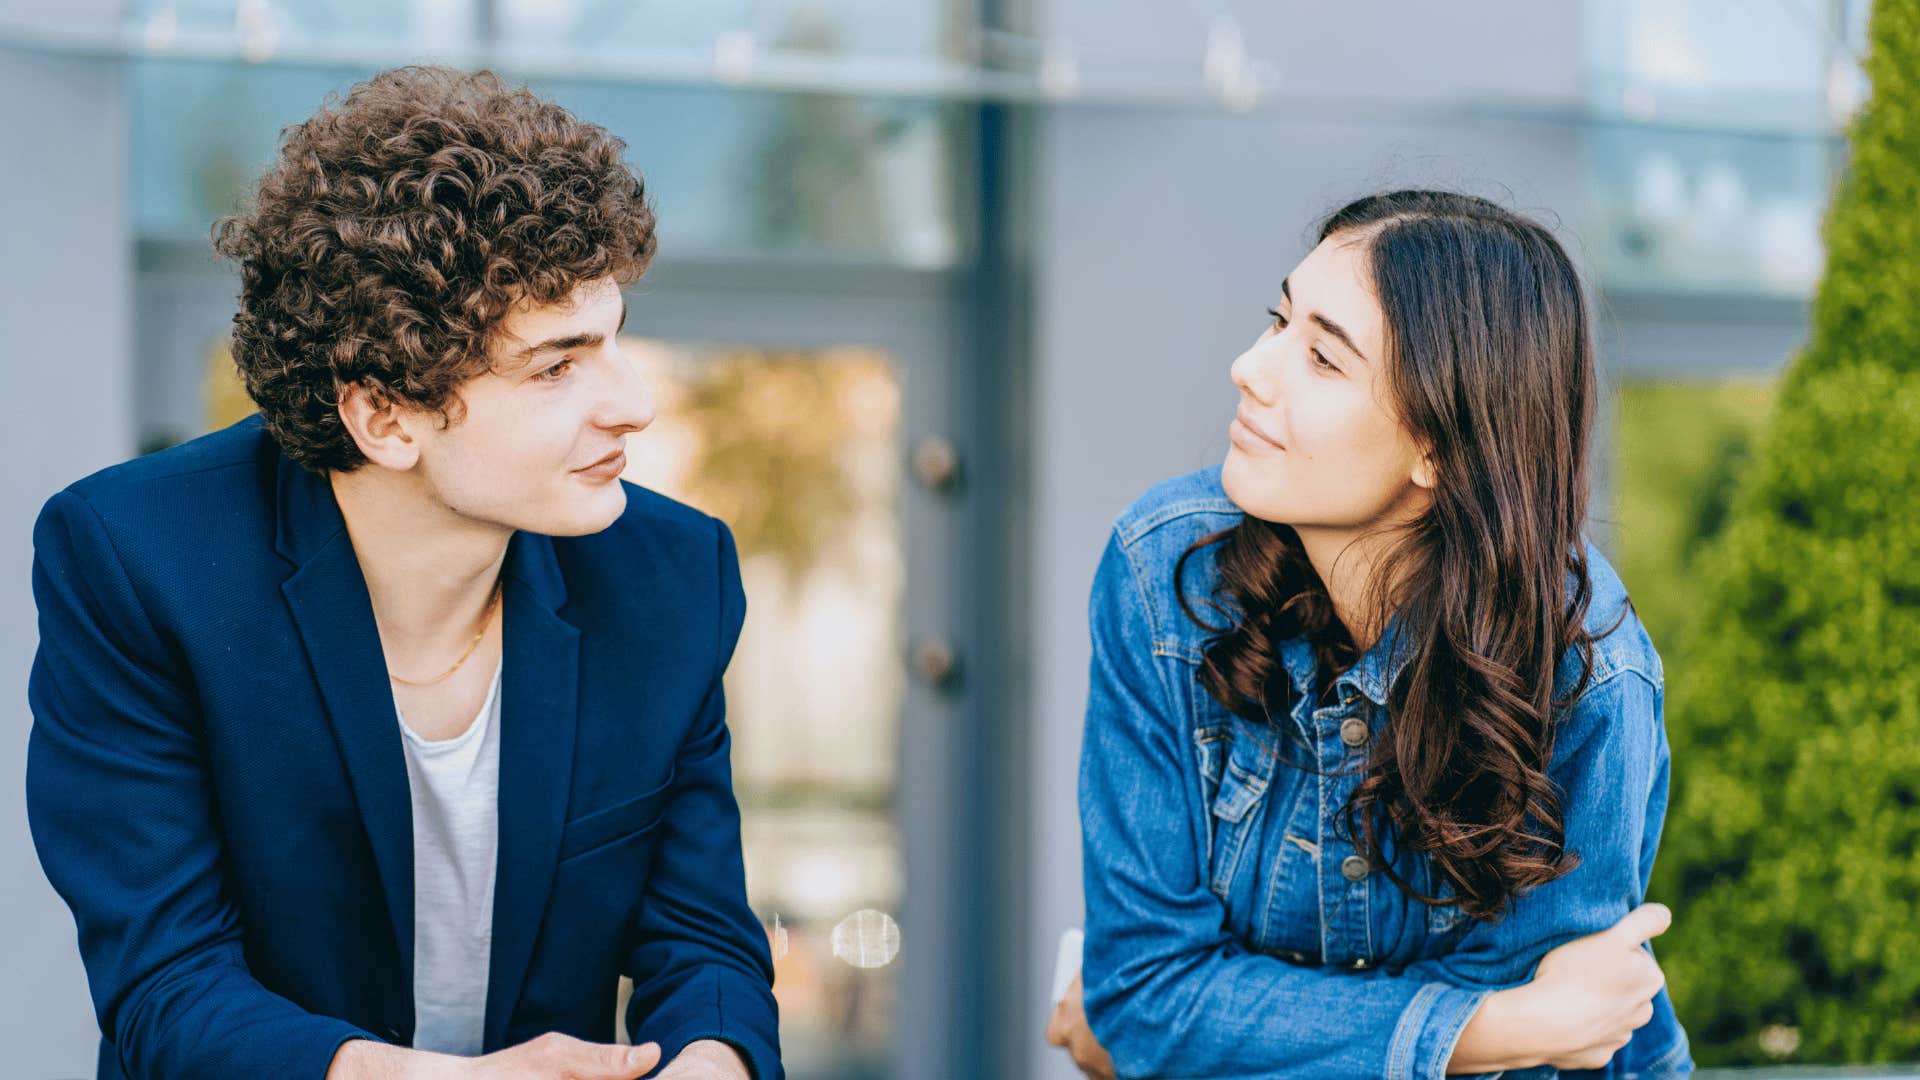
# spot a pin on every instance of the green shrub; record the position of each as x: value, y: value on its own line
x: 1792, y: 847
x: 1679, y: 450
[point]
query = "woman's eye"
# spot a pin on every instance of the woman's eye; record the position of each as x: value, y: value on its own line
x: 1322, y: 361
x: 1279, y: 320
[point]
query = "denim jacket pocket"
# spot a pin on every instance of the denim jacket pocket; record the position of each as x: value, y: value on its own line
x: 1244, y: 778
x: 1210, y: 744
x: 1446, y: 923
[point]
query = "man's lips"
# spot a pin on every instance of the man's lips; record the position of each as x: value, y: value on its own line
x: 612, y: 463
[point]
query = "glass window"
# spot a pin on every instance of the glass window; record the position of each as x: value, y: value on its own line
x: 799, y: 452
x: 731, y: 172
x: 1721, y: 62
x: 1706, y: 211
x: 924, y: 29
x: 1715, y: 139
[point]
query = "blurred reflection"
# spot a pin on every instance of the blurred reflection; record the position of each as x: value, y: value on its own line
x: 867, y: 939
x: 1715, y: 138
x: 799, y: 452
x: 924, y: 28
x: 731, y: 172
x: 1696, y: 211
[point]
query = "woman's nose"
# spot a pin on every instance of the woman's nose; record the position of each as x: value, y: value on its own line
x: 1254, y: 371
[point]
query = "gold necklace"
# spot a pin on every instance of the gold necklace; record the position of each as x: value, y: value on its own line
x: 486, y: 620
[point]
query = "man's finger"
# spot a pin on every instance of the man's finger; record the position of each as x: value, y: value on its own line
x: 641, y: 1059
x: 1644, y: 923
x: 617, y: 1062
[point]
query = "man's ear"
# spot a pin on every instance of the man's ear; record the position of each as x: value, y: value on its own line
x: 379, y: 426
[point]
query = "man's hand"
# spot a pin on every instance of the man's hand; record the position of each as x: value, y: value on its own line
x: 1067, y: 1028
x: 562, y: 1056
x: 707, y: 1059
x: 550, y: 1056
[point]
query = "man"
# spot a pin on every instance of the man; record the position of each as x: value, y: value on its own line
x: 379, y: 734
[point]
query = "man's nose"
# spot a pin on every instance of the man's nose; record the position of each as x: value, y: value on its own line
x: 629, y: 405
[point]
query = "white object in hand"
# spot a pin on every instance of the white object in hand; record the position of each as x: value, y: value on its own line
x: 1066, y: 962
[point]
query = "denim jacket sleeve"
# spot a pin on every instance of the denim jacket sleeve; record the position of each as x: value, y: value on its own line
x: 1171, y: 992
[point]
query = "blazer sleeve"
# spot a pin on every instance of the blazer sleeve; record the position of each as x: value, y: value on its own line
x: 1171, y: 992
x: 122, y: 816
x: 700, y: 963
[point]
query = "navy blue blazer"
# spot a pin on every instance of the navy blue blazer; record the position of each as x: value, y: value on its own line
x: 216, y: 786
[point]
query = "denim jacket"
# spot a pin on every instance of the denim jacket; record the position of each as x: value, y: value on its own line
x: 1232, y: 928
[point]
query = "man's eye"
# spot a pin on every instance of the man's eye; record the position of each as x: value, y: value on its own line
x: 554, y: 373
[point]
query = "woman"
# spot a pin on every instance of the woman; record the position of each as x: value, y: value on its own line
x: 1374, y: 767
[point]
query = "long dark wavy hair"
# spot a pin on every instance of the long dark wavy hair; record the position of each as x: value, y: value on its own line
x: 1490, y: 369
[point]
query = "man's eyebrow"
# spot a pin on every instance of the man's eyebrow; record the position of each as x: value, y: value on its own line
x: 1328, y: 325
x: 585, y: 340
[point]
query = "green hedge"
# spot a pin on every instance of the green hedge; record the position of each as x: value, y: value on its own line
x: 1792, y: 847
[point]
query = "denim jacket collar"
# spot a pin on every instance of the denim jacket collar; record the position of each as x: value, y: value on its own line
x: 1372, y: 675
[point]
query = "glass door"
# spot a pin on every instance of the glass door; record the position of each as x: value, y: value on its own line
x: 798, y: 451
x: 819, y: 417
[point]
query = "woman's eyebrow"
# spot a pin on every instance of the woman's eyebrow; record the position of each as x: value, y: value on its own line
x: 1327, y: 324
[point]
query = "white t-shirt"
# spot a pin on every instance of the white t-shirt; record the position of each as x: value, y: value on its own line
x: 455, y: 786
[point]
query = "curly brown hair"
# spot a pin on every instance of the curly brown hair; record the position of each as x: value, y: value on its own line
x: 1491, y: 366
x: 397, y: 228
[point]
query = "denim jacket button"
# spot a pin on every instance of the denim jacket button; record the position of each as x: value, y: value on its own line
x: 1353, y: 731
x: 1353, y: 868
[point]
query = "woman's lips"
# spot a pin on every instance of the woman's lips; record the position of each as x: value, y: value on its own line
x: 607, y: 467
x: 1247, y: 434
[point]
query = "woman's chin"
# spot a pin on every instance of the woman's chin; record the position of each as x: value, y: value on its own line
x: 1255, y: 490
x: 1240, y: 476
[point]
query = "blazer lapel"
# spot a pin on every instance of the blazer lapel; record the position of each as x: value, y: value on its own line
x: 328, y: 597
x: 539, y: 689
x: 539, y: 708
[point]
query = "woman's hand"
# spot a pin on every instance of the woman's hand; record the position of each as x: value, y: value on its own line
x: 1586, y: 1000
x: 1590, y: 995
x: 1067, y: 1028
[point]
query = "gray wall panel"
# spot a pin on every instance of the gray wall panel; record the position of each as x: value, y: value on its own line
x: 65, y: 300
